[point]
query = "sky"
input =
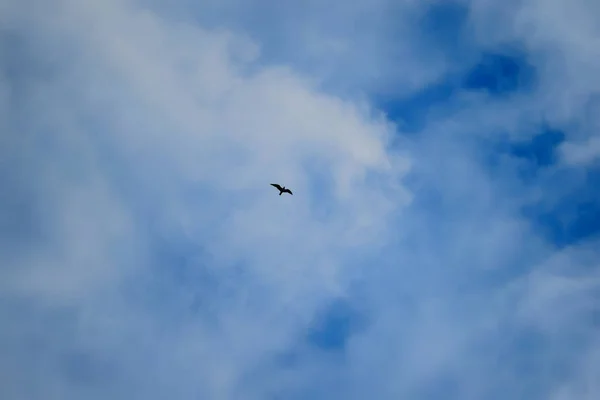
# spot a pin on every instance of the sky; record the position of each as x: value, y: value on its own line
x: 442, y: 240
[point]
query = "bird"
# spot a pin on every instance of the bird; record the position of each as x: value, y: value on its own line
x: 282, y: 189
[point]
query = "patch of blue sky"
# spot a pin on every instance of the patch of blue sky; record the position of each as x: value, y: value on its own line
x: 574, y: 215
x: 331, y: 330
x: 501, y: 74
x: 496, y: 74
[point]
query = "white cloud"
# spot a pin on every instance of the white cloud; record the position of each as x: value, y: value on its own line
x: 581, y: 153
x: 135, y: 106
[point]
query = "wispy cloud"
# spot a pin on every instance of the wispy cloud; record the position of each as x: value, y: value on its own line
x: 431, y: 147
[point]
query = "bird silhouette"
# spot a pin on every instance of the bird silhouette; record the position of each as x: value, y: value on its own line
x: 282, y: 189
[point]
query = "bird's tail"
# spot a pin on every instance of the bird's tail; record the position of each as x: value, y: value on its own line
x: 280, y: 193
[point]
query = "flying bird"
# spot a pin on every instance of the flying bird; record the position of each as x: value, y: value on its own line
x: 282, y: 189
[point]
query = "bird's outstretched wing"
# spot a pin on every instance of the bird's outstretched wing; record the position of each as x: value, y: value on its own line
x: 277, y: 186
x: 288, y: 191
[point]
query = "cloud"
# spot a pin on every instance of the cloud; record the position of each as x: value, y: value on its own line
x: 144, y: 254
x: 581, y: 153
x: 142, y: 133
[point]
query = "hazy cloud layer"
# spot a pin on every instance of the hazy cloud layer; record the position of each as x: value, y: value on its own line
x: 451, y: 255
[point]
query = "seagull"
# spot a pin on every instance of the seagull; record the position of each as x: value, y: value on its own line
x: 282, y: 189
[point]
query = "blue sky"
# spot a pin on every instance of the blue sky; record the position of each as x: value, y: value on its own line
x: 443, y: 237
